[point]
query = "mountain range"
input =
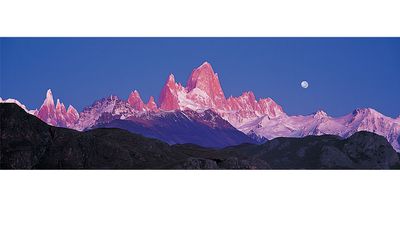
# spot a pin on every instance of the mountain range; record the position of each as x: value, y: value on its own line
x: 29, y: 143
x: 200, y: 113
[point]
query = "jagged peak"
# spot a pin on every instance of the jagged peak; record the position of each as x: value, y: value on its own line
x: 171, y: 78
x: 205, y: 63
x: 368, y: 111
x: 49, y: 93
x: 135, y: 100
x: 151, y: 104
x: 134, y: 94
x: 249, y: 94
x: 204, y: 78
x: 72, y: 111
x: 111, y: 97
x: 71, y: 108
x: 320, y: 114
x: 171, y: 83
x: 266, y: 100
x: 204, y: 67
x: 151, y: 99
x: 60, y: 105
x: 49, y: 98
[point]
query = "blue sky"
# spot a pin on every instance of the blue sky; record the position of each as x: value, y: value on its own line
x: 343, y: 73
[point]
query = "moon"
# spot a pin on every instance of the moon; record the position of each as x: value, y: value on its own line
x: 304, y: 84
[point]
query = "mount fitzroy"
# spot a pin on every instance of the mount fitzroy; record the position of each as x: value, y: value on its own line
x: 201, y: 114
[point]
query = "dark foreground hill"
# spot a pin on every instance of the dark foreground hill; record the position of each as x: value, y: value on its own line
x: 29, y: 143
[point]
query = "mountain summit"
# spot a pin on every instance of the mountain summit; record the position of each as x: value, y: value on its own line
x: 169, y: 94
x: 207, y: 84
x: 203, y: 91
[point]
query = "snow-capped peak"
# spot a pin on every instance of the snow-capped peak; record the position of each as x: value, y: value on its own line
x: 151, y: 104
x: 249, y: 95
x: 205, y: 63
x: 171, y: 78
x: 58, y: 103
x: 49, y: 94
x: 366, y: 111
x: 60, y: 108
x: 72, y: 110
x: 134, y: 94
x: 320, y: 114
x: 49, y: 101
x: 203, y: 78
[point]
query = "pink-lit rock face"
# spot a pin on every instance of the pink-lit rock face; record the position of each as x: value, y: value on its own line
x: 136, y: 102
x: 56, y: 115
x: 151, y: 104
x: 138, y: 105
x: 169, y: 94
x: 209, y: 93
x: 61, y: 113
x: 242, y: 109
x: 72, y: 115
x: 203, y: 91
x: 47, y: 110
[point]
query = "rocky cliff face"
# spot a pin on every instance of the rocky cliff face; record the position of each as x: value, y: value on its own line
x: 203, y: 91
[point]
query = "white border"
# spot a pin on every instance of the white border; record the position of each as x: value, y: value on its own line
x: 199, y: 18
x: 199, y: 197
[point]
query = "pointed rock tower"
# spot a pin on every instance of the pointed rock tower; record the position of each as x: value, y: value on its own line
x: 136, y: 101
x: 169, y: 94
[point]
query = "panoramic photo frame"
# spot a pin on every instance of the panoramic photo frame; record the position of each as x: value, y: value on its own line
x: 200, y: 103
